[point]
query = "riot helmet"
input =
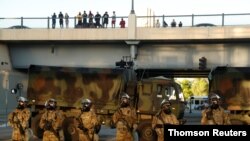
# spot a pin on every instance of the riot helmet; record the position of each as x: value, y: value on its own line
x: 125, y: 100
x: 51, y: 104
x: 214, y: 100
x: 22, y: 102
x: 166, y: 106
x: 86, y: 105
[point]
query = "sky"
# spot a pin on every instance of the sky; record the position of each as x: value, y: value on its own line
x: 45, y: 8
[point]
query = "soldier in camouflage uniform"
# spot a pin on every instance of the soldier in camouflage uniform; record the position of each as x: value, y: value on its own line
x: 214, y: 114
x: 19, y: 121
x: 125, y: 120
x: 51, y: 122
x: 164, y: 116
x: 87, y: 122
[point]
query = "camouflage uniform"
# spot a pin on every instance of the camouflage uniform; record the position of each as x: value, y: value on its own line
x: 125, y: 121
x: 215, y: 114
x: 51, y: 123
x: 162, y: 118
x: 87, y: 123
x: 217, y: 117
x: 19, y: 121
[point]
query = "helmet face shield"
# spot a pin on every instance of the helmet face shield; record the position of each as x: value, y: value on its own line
x: 22, y: 99
x: 86, y: 105
x: 166, y: 106
x: 50, y: 104
x: 22, y: 102
x: 214, y: 100
x: 125, y: 100
x: 165, y: 102
x: 84, y: 101
x: 125, y: 95
x: 215, y: 96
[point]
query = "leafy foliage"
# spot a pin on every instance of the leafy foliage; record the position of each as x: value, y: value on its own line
x: 200, y: 87
x: 195, y: 87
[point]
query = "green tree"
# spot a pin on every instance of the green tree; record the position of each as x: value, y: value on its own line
x: 200, y: 87
x: 186, y: 88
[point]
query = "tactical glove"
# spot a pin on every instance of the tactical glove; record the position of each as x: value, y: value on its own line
x: 83, y: 128
x: 48, y: 125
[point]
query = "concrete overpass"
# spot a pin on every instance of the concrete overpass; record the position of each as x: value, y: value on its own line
x: 150, y: 48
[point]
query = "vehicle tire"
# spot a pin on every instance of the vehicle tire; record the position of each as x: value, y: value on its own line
x: 37, y: 131
x: 145, y: 132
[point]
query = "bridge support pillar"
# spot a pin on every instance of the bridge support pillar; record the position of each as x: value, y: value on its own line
x: 133, y: 49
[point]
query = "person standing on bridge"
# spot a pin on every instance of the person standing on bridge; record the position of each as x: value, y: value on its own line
x: 125, y: 120
x: 173, y: 23
x: 66, y: 20
x: 19, y: 121
x: 157, y: 24
x: 122, y: 23
x: 60, y: 16
x: 51, y: 122
x: 113, y: 19
x: 97, y: 20
x: 105, y: 20
x: 54, y: 21
x: 79, y: 18
x: 164, y: 116
x: 85, y: 17
x: 214, y: 114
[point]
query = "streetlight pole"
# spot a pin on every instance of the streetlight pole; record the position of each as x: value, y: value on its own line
x: 132, y: 8
x: 6, y: 106
x: 190, y: 104
x: 6, y: 102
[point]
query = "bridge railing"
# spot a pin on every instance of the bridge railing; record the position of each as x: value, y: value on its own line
x: 142, y: 21
x: 196, y: 20
x: 46, y: 22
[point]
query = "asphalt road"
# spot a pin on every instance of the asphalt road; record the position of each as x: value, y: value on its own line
x: 107, y: 134
x: 193, y: 118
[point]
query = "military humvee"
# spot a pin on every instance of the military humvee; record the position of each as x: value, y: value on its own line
x: 232, y: 84
x: 103, y: 86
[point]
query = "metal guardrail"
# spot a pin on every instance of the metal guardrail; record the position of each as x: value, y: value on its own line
x: 194, y: 20
x: 142, y: 21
